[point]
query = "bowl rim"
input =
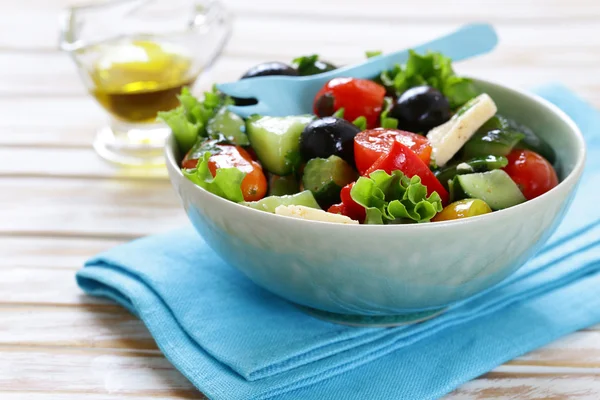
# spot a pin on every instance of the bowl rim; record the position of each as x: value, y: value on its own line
x: 499, y: 215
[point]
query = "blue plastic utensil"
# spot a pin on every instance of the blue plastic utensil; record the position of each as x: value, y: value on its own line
x: 285, y: 95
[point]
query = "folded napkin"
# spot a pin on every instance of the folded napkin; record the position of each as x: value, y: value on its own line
x: 234, y: 340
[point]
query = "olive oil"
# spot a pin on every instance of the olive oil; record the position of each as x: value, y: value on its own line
x: 134, y: 80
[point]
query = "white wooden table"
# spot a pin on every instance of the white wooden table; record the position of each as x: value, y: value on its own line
x: 60, y: 204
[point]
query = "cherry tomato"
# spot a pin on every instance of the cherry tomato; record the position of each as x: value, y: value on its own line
x: 254, y: 185
x: 462, y: 209
x: 358, y: 97
x: 400, y: 157
x: 348, y: 206
x: 531, y: 172
x: 370, y: 145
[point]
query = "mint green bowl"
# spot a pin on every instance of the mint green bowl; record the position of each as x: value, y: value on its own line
x: 387, y: 275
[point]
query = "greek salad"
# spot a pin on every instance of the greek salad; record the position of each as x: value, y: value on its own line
x: 415, y: 144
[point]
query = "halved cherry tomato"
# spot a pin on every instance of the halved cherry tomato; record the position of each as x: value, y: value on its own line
x: 254, y: 185
x: 358, y: 97
x: 370, y: 145
x: 531, y: 172
x: 400, y: 157
x: 348, y: 206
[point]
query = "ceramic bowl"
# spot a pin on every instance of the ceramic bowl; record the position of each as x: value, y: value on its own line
x: 386, y: 275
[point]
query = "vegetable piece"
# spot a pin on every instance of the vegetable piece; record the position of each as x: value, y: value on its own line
x: 373, y: 53
x: 455, y: 190
x: 226, y: 183
x: 360, y: 123
x: 371, y: 144
x: 394, y: 198
x: 495, y: 142
x: 478, y: 164
x: 311, y: 65
x: 276, y: 141
x: 495, y: 187
x: 401, y: 158
x: 228, y: 126
x: 447, y: 139
x: 533, y: 142
x: 283, y: 185
x: 358, y: 97
x: 224, y: 156
x: 312, y: 214
x: 325, y: 178
x: 269, y: 204
x: 188, y: 121
x: 432, y: 69
x: 463, y: 209
x: 496, y: 122
x: 328, y: 136
x: 270, y: 68
x: 420, y: 109
x: 531, y: 172
x: 348, y: 206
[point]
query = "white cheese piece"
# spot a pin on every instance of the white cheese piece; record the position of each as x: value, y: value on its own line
x: 313, y: 214
x: 447, y: 139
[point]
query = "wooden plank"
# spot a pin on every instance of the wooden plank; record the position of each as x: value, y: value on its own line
x: 73, y: 162
x: 63, y: 371
x: 50, y: 252
x: 52, y: 395
x: 530, y: 386
x: 83, y: 327
x: 30, y: 286
x: 88, y: 208
x: 43, y: 15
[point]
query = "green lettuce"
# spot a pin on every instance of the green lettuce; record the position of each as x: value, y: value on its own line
x: 373, y: 53
x: 433, y: 69
x: 226, y: 183
x: 360, y: 123
x: 385, y: 121
x: 395, y: 198
x: 188, y: 121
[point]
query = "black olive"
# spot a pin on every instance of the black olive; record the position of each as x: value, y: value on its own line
x: 270, y: 68
x: 318, y: 67
x: 328, y: 136
x: 324, y: 105
x: 420, y: 109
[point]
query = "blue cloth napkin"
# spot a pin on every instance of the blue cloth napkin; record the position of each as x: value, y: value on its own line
x: 233, y: 340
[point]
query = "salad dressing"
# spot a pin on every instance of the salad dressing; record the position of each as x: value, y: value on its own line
x: 135, y: 79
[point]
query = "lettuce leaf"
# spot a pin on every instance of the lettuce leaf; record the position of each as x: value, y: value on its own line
x: 188, y: 121
x: 373, y: 53
x: 360, y: 123
x: 226, y: 183
x: 395, y: 198
x: 433, y: 69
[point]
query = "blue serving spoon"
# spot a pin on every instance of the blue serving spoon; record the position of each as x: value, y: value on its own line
x: 289, y: 95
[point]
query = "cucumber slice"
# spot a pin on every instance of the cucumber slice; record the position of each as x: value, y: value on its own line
x: 494, y: 187
x: 325, y: 178
x: 283, y: 185
x: 496, y: 122
x: 534, y: 143
x: 229, y: 126
x: 478, y: 164
x: 496, y: 142
x: 269, y: 204
x: 276, y: 141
